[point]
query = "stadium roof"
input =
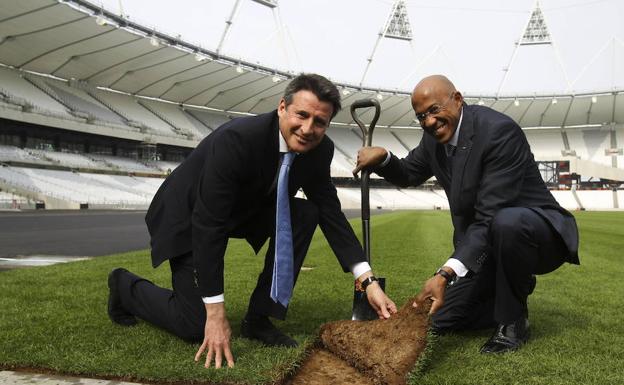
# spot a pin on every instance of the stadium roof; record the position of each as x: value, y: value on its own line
x: 549, y: 64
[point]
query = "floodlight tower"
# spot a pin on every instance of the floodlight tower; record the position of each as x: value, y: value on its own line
x: 271, y: 4
x: 397, y: 27
x: 535, y: 32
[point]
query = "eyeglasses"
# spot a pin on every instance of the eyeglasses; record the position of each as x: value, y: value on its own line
x: 433, y: 110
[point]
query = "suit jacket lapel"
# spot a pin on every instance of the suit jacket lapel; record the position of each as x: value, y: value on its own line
x: 269, y: 169
x: 462, y: 154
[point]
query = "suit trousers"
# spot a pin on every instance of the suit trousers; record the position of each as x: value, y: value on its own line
x: 522, y: 244
x: 181, y: 311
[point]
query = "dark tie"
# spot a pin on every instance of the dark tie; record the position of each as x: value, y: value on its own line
x: 283, y: 271
x: 450, y: 154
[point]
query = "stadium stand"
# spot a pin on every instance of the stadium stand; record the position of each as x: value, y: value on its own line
x: 596, y: 199
x: 74, y: 187
x: 70, y: 159
x: 136, y: 114
x: 566, y: 199
x: 210, y: 120
x: 545, y: 144
x: 82, y: 104
x: 590, y: 144
x: 15, y: 154
x: 384, y: 138
x: 20, y: 91
x: 166, y: 166
x: 125, y: 164
x: 410, y: 137
x: 176, y: 118
x: 12, y: 201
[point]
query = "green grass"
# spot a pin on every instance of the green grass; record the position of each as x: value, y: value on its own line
x: 55, y: 317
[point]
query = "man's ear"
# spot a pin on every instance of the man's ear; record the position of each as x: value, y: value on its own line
x: 281, y: 108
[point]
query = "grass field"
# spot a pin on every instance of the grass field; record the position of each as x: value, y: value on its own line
x: 55, y: 317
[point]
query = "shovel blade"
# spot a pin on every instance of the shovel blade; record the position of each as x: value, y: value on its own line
x: 362, y: 310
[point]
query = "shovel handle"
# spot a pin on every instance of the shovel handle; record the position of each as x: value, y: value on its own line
x: 367, y: 139
x: 367, y: 133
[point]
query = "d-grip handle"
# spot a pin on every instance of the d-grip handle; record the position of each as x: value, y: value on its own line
x: 367, y: 133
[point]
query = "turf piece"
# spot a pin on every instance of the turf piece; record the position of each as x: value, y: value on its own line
x: 385, y: 350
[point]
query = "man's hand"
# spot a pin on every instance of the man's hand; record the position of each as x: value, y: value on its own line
x: 434, y: 289
x: 369, y: 157
x: 377, y: 298
x: 380, y: 301
x: 216, y: 337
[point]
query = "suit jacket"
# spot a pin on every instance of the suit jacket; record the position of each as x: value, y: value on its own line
x: 227, y: 180
x: 493, y: 168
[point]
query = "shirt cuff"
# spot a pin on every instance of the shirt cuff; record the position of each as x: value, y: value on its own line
x: 458, y: 267
x: 387, y: 160
x: 360, y: 268
x: 214, y: 299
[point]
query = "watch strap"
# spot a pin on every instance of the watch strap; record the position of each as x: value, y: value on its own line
x: 368, y: 281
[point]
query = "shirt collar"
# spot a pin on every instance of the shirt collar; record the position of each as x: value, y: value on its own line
x: 455, y: 137
x: 283, y: 147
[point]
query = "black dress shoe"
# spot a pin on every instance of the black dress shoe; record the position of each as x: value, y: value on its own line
x: 508, y: 338
x: 116, y: 312
x: 260, y: 328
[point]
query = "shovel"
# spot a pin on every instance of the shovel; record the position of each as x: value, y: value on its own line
x: 362, y: 310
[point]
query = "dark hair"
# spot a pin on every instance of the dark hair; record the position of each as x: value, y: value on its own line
x: 320, y: 86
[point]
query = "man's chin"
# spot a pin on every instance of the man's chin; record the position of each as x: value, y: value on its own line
x: 303, y: 148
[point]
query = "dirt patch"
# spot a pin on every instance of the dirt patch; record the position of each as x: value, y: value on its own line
x: 368, y: 352
x: 323, y: 368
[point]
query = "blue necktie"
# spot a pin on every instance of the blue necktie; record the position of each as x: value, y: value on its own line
x: 283, y: 271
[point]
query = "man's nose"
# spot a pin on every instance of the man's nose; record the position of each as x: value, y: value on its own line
x: 307, y: 127
x: 428, y: 121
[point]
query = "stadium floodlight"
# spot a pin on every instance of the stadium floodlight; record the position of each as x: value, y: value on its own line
x: 536, y: 31
x: 100, y: 20
x: 398, y: 25
x: 154, y: 41
x: 200, y: 56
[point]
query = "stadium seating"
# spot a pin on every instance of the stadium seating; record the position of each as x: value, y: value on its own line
x: 590, y: 144
x: 177, y: 118
x: 13, y: 84
x: 384, y: 138
x: 125, y: 164
x: 135, y: 113
x: 411, y: 137
x: 14, y: 154
x: 70, y: 159
x: 208, y: 119
x: 10, y: 200
x: 75, y: 187
x: 545, y: 144
x: 79, y: 101
x: 566, y: 199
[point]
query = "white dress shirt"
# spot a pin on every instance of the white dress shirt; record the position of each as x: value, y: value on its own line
x: 357, y: 269
x: 458, y: 267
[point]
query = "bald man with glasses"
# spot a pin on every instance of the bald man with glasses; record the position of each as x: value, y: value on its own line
x: 507, y: 225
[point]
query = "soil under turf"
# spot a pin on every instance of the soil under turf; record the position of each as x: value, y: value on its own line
x: 376, y: 352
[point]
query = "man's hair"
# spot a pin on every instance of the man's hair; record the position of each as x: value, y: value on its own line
x: 324, y: 90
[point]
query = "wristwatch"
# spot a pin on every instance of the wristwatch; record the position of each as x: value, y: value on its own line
x: 449, y: 278
x: 368, y: 281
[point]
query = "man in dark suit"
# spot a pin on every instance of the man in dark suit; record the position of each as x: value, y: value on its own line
x: 226, y: 188
x: 507, y: 224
